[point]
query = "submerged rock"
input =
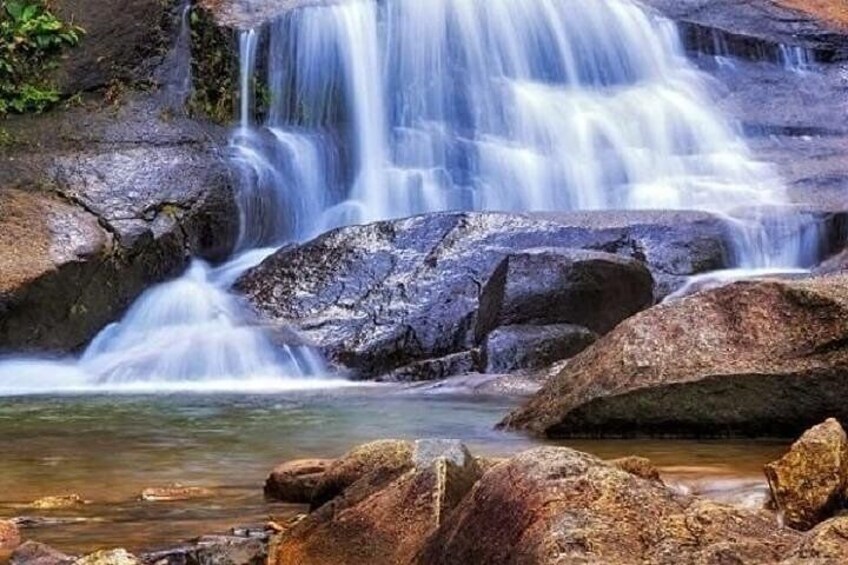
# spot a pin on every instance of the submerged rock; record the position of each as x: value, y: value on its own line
x: 378, y: 297
x: 758, y: 358
x: 296, y: 481
x: 174, y: 492
x: 54, y: 502
x: 808, y: 484
x: 555, y: 505
x: 376, y: 521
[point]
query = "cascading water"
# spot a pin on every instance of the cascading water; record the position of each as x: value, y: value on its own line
x: 191, y: 333
x: 392, y: 108
x: 541, y: 105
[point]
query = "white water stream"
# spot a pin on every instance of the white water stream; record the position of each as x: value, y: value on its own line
x: 383, y: 110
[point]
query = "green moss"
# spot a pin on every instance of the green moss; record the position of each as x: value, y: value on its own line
x: 31, y: 40
x: 214, y: 68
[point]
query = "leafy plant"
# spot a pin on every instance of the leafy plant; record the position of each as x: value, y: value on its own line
x: 31, y: 38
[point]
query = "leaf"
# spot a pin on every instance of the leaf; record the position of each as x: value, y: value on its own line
x: 15, y: 9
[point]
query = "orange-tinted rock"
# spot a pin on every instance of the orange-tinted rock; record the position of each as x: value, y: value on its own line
x: 373, y: 522
x: 556, y: 506
x: 382, y: 461
x: 10, y: 536
x: 825, y: 544
x: 808, y: 483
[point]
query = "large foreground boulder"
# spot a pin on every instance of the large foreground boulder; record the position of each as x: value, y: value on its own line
x: 808, y: 483
x: 380, y: 520
x: 382, y: 296
x: 555, y: 505
x: 756, y: 358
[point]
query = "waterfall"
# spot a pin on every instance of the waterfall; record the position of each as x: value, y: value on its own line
x: 378, y: 110
x: 543, y: 105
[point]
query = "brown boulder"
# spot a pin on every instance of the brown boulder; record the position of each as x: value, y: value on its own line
x: 753, y: 358
x: 387, y: 524
x: 556, y: 505
x: 10, y: 536
x: 826, y: 543
x: 808, y: 483
x: 295, y: 481
x: 379, y: 461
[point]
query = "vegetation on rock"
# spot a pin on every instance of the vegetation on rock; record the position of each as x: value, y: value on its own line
x: 31, y: 39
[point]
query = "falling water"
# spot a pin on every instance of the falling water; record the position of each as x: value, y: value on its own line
x: 191, y: 333
x: 386, y: 109
x: 543, y: 105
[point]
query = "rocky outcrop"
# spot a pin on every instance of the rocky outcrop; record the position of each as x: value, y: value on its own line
x: 295, y: 481
x: 89, y: 221
x: 107, y: 195
x: 383, y: 296
x: 750, y: 28
x: 753, y: 358
x: 377, y: 520
x: 555, y: 505
x: 808, y: 484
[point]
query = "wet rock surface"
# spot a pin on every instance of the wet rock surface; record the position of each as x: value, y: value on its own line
x: 296, y: 481
x: 758, y: 358
x: 111, y: 192
x: 546, y: 505
x: 378, y: 521
x: 808, y: 484
x: 378, y: 297
x: 556, y: 505
x: 96, y: 206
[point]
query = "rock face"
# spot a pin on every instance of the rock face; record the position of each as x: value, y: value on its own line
x: 753, y: 358
x: 102, y: 199
x: 511, y: 348
x: 555, y: 505
x: 386, y: 295
x: 295, y: 481
x: 377, y: 520
x: 808, y: 484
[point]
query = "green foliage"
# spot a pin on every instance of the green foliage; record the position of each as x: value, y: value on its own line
x: 31, y: 38
x: 213, y: 68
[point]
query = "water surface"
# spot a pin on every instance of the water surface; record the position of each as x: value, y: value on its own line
x: 108, y: 448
